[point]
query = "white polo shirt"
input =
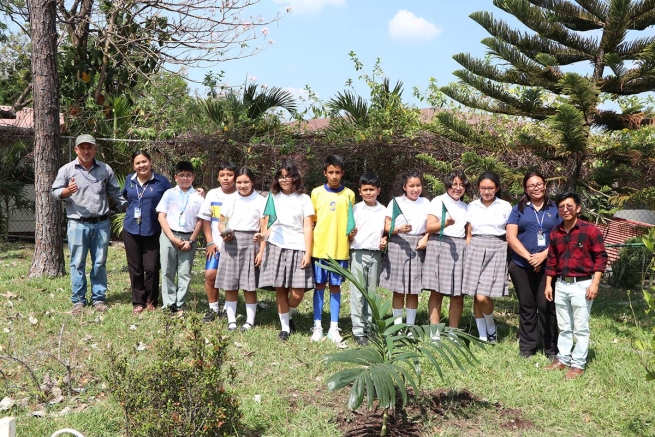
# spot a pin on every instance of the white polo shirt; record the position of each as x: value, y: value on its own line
x: 288, y: 231
x: 181, y: 208
x: 244, y: 213
x: 488, y: 220
x: 455, y: 209
x: 415, y: 212
x: 370, y: 225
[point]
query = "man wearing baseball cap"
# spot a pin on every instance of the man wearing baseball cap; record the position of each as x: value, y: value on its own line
x: 85, y: 186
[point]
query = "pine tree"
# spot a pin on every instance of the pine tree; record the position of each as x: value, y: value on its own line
x: 528, y: 73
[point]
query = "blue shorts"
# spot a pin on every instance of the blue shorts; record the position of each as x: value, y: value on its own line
x: 322, y: 276
x: 212, y: 263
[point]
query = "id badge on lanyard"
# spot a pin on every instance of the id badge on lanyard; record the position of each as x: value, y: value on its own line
x: 541, y: 237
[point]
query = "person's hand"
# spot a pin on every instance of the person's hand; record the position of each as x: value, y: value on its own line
x: 406, y: 228
x: 228, y: 237
x: 352, y: 234
x: 536, y: 259
x: 186, y: 246
x: 537, y: 269
x: 258, y: 259
x: 305, y: 261
x: 592, y: 291
x: 423, y: 242
x: 548, y: 292
x: 211, y: 252
x: 259, y: 237
x: 449, y: 222
x: 72, y: 187
x: 201, y: 191
x: 383, y: 243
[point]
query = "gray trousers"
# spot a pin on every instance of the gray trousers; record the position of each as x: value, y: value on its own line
x: 174, y: 261
x: 365, y: 266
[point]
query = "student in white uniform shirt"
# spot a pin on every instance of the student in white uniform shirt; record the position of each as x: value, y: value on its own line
x: 180, y: 227
x: 287, y: 264
x: 366, y: 243
x: 402, y: 267
x: 241, y: 255
x: 486, y: 256
x: 443, y: 271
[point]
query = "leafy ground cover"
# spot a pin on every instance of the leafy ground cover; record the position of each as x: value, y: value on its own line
x: 281, y: 387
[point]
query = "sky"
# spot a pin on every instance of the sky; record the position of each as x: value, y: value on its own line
x: 415, y: 40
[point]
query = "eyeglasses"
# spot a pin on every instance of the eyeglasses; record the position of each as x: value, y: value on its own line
x: 457, y: 186
x: 284, y: 178
x: 566, y: 207
x: 184, y: 176
x: 533, y: 186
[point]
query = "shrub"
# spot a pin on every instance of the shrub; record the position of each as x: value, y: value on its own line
x: 179, y: 390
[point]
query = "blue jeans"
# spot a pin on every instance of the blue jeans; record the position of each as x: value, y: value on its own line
x: 573, y: 311
x: 84, y: 238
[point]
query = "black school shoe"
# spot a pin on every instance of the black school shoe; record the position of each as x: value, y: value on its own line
x: 283, y: 336
x: 210, y: 316
x: 361, y: 340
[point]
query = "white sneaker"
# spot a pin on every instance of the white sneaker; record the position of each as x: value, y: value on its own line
x: 334, y: 336
x: 435, y: 337
x: 317, y: 334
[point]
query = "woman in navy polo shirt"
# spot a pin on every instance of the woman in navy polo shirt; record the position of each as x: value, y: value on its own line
x: 143, y: 191
x: 528, y: 235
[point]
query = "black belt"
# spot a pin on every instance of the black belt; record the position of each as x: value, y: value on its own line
x: 181, y: 232
x: 574, y: 279
x: 373, y: 251
x: 99, y: 219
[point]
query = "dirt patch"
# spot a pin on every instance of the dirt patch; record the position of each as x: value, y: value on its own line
x: 430, y: 412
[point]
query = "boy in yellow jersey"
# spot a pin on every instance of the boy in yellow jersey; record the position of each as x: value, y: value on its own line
x: 331, y: 202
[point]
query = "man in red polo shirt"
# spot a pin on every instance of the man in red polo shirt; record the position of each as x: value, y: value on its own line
x: 576, y: 261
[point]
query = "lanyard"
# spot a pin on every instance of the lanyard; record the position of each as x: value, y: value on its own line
x: 540, y: 223
x: 186, y: 195
x: 145, y: 186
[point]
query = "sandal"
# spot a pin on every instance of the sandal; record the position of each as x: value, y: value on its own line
x: 137, y: 310
x: 246, y: 327
x: 232, y: 326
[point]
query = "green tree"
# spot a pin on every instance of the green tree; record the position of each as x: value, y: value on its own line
x: 525, y: 74
x: 382, y: 116
x: 242, y: 114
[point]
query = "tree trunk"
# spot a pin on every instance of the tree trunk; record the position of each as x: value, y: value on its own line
x: 48, y: 247
x: 574, y: 176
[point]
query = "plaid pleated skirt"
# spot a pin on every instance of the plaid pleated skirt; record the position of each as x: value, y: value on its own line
x: 237, y: 267
x: 401, y: 270
x: 443, y: 270
x: 281, y: 268
x: 485, y: 267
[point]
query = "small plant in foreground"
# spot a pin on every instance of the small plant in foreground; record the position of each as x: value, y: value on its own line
x: 179, y: 390
x: 393, y: 359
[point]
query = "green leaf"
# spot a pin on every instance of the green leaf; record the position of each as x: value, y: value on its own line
x: 343, y: 378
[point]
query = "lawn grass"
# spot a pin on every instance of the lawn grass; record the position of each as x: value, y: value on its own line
x: 612, y: 399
